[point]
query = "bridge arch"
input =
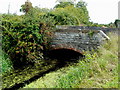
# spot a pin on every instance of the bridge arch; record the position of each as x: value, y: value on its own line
x: 64, y: 54
x: 71, y: 43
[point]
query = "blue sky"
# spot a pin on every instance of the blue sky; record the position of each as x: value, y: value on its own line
x: 100, y: 11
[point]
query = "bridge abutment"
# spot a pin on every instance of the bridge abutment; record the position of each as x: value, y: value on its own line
x: 67, y: 41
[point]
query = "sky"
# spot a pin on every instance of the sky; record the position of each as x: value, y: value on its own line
x: 100, y: 11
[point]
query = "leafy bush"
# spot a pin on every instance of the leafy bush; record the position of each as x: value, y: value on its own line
x: 23, y: 36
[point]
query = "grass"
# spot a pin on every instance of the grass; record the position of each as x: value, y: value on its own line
x: 6, y: 64
x: 97, y: 70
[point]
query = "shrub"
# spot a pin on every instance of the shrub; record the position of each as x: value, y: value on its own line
x: 23, y: 37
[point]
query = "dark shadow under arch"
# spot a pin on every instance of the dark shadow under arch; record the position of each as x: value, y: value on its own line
x: 63, y: 54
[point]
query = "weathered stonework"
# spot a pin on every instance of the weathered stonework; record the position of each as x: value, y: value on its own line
x: 77, y: 40
x: 105, y: 30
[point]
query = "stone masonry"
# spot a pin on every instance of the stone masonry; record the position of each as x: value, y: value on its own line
x: 77, y: 40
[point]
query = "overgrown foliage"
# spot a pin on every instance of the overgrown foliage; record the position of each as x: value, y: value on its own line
x: 23, y: 36
x: 26, y: 35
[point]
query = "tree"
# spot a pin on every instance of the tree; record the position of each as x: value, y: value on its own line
x: 65, y: 0
x: 64, y: 4
x: 26, y: 7
x: 83, y: 12
x: 117, y: 23
x: 78, y: 11
x: 81, y: 4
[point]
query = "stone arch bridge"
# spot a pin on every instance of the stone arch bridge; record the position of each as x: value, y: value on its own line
x: 73, y: 41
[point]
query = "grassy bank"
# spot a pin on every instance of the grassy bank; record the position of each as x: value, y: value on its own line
x: 97, y: 70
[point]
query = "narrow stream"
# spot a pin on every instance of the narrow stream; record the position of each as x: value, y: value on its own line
x: 57, y: 58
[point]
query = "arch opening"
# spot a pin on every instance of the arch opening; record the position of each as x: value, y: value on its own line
x: 64, y: 54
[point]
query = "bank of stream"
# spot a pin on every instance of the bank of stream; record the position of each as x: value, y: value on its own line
x: 16, y: 79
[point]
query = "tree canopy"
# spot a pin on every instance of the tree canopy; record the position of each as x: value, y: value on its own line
x: 78, y: 11
x: 64, y: 4
x: 117, y: 23
x: 26, y: 7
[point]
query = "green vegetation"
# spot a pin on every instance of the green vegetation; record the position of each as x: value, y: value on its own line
x: 25, y: 37
x: 5, y: 61
x: 117, y: 23
x: 97, y: 70
x: 26, y: 7
x: 18, y: 76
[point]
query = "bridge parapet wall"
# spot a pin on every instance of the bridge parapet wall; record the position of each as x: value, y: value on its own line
x: 105, y: 30
x: 77, y: 40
